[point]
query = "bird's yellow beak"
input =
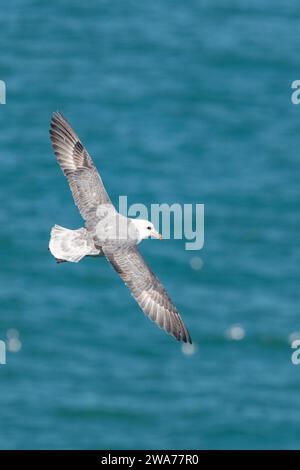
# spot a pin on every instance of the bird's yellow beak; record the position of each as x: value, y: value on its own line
x: 156, y: 235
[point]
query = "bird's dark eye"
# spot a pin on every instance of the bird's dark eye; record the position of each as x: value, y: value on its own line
x: 149, y: 228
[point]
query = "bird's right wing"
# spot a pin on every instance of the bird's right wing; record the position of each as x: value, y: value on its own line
x: 147, y: 290
x: 84, y: 180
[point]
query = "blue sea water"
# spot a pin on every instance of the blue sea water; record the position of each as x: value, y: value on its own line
x: 177, y: 102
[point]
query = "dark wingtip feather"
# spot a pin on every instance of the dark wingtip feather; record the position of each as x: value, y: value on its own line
x: 55, y: 116
x: 58, y: 119
x: 188, y: 338
x: 185, y: 336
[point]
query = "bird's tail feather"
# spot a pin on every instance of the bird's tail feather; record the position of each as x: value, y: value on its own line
x: 70, y: 245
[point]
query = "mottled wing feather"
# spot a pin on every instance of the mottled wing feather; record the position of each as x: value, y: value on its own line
x: 84, y: 180
x: 147, y: 290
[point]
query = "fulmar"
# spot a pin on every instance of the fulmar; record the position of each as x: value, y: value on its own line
x: 107, y: 233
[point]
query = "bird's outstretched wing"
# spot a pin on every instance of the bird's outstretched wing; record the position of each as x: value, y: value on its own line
x: 84, y: 180
x: 147, y: 290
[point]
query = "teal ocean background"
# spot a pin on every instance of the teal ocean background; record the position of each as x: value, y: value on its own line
x: 176, y: 102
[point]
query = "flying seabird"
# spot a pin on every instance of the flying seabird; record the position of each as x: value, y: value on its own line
x: 108, y: 233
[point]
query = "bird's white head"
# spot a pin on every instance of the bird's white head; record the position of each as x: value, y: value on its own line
x: 145, y: 229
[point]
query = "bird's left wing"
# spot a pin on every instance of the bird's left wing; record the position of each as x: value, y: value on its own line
x: 147, y: 290
x: 78, y: 167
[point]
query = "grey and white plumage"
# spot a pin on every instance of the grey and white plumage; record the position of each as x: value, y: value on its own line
x: 108, y: 233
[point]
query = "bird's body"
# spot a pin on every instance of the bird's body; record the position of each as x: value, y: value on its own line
x: 108, y: 233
